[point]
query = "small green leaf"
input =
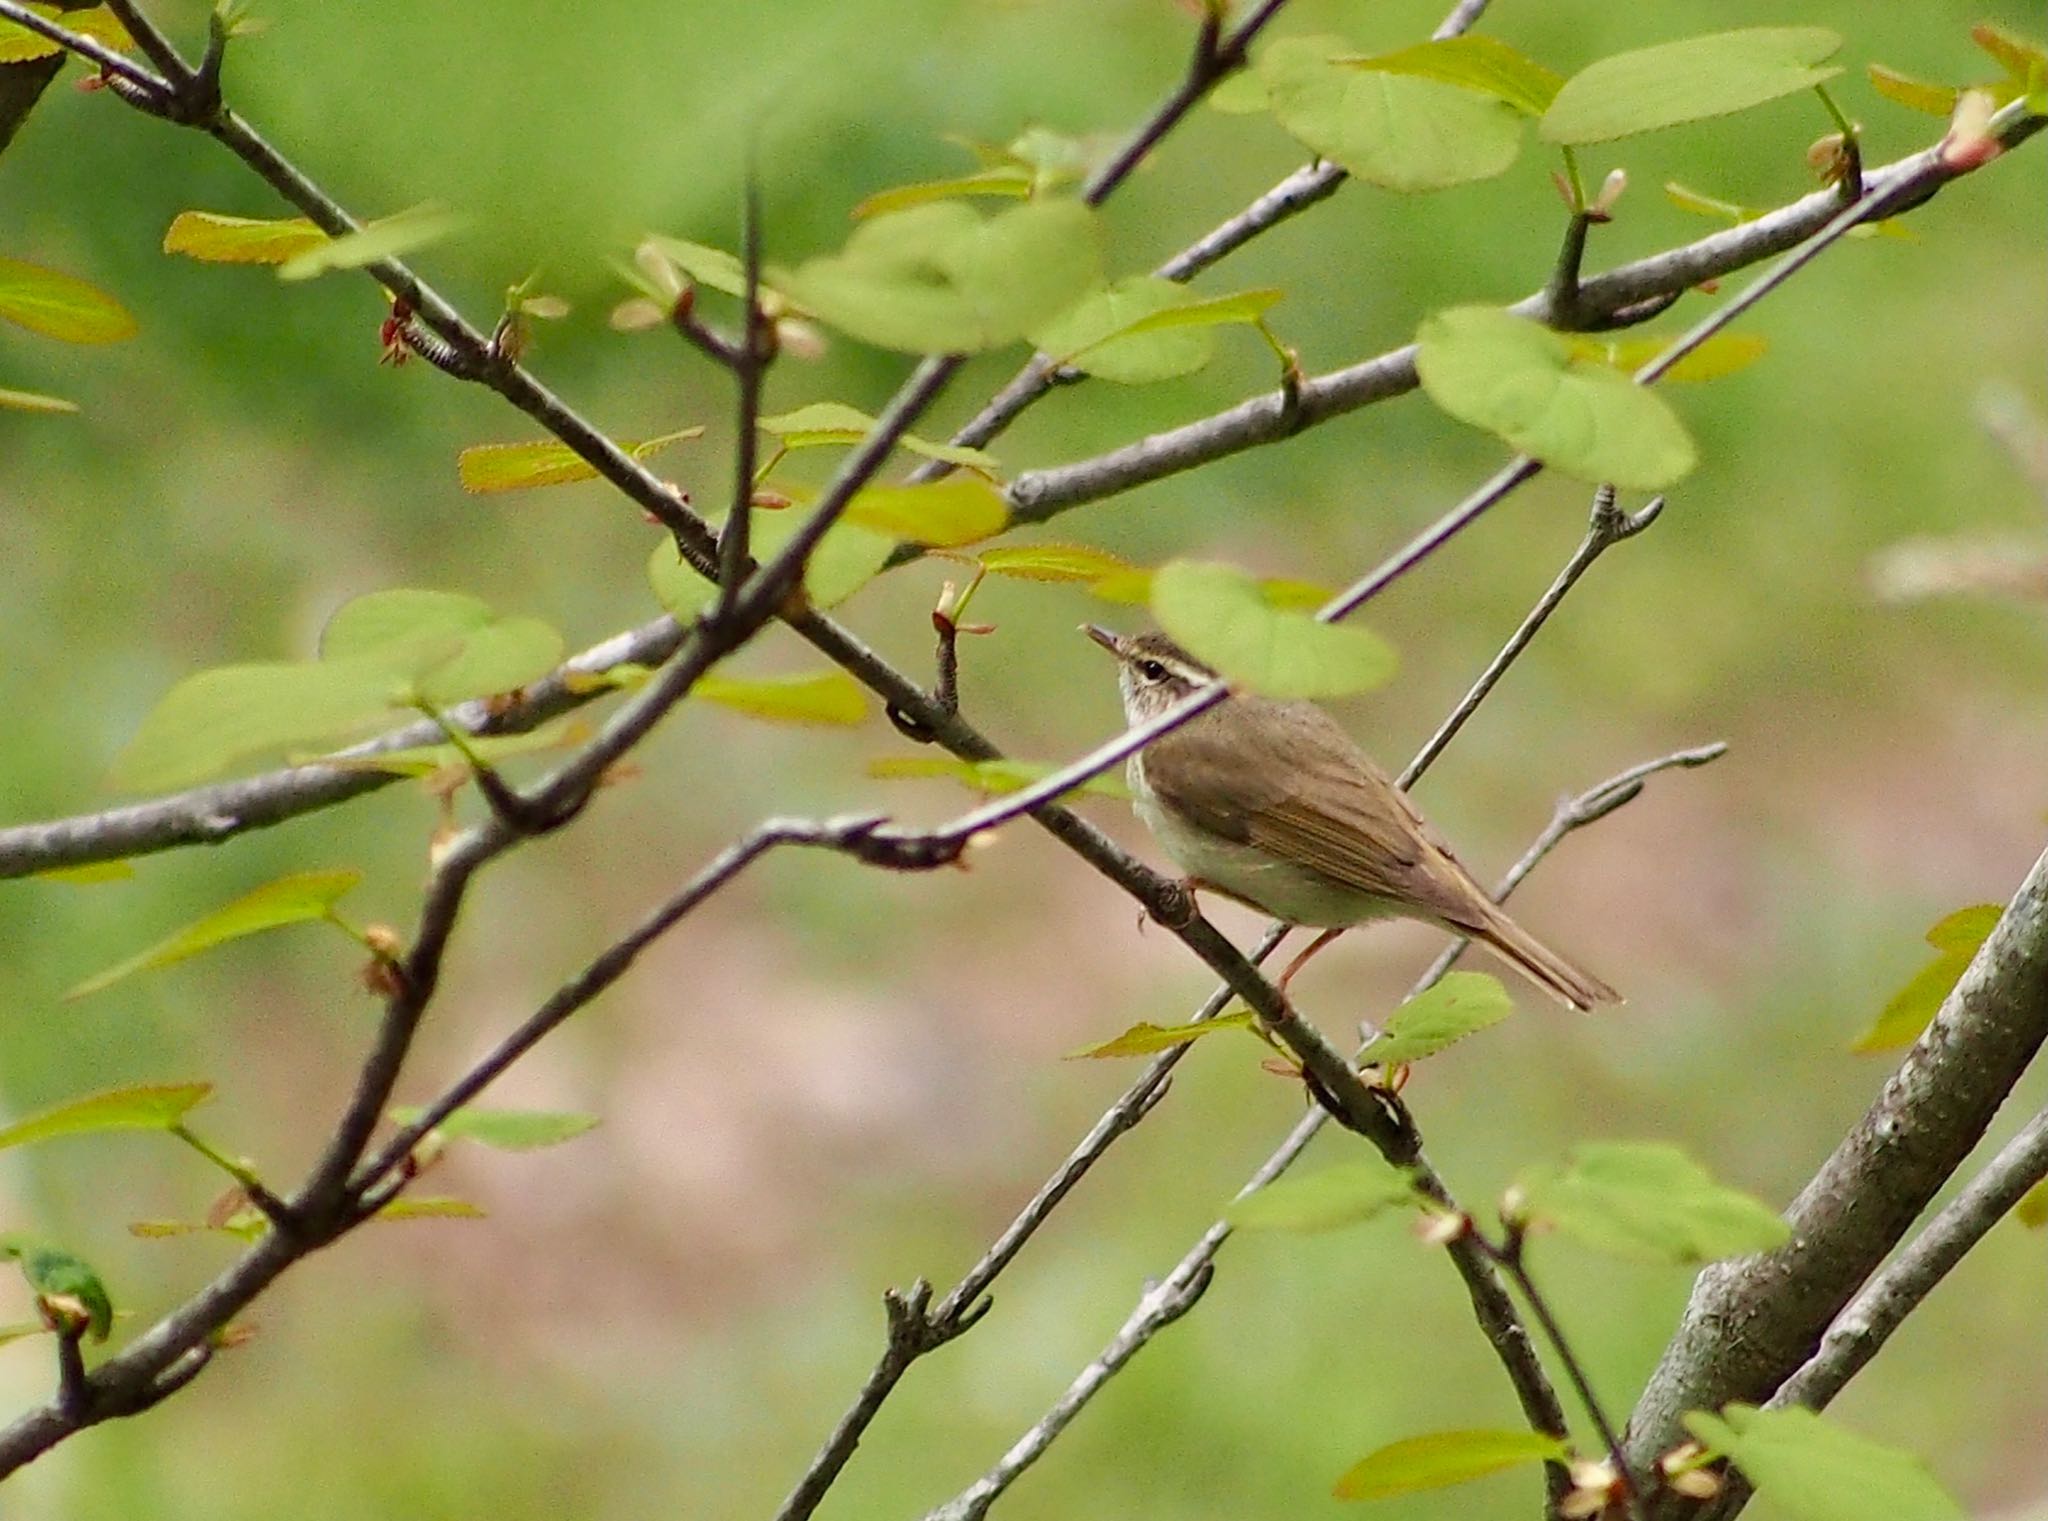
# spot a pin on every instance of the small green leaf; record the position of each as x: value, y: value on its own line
x: 940, y: 279
x: 212, y: 719
x: 1008, y: 183
x: 1523, y: 383
x: 1223, y: 617
x: 1336, y: 1197
x: 1814, y: 1470
x: 1132, y: 587
x: 833, y: 422
x: 504, y: 656
x: 846, y: 559
x: 1702, y: 204
x: 1144, y: 1038
x: 1647, y: 1200
x: 428, y: 760
x: 1242, y: 94
x: 387, y: 238
x: 33, y: 401
x: 2032, y: 1210
x: 21, y: 1330
x: 59, y: 306
x: 959, y: 509
x: 1474, y: 62
x: 506, y: 1129
x: 1460, y: 1004
x: 401, y: 621
x: 1095, y: 334
x: 149, y: 1106
x: 449, y: 647
x: 19, y: 45
x: 1393, y: 130
x: 1722, y: 354
x: 405, y: 1208
x: 828, y: 697
x: 2020, y: 57
x: 704, y: 265
x: 294, y: 899
x: 1691, y: 80
x: 1052, y: 562
x: 486, y: 468
x: 1444, y: 1458
x: 216, y: 238
x: 989, y: 776
x: 1956, y: 937
x: 1913, y: 94
x: 65, y: 1286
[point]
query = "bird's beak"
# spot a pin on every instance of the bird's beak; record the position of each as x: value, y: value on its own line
x: 1101, y: 636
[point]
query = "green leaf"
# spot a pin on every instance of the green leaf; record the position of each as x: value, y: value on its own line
x: 1052, y: 562
x: 1647, y: 1200
x: 1687, y: 81
x: 989, y: 776
x: 1007, y: 183
x: 1223, y: 617
x: 1474, y: 62
x: 940, y: 279
x: 959, y: 509
x: 65, y: 1286
x: 18, y: 44
x: 1722, y: 354
x: 707, y: 266
x: 59, y: 306
x: 33, y: 401
x: 506, y: 1129
x: 1394, y: 130
x: 429, y: 1208
x: 1242, y: 94
x: 486, y: 468
x: 21, y: 1330
x: 1460, y: 1004
x: 2020, y: 57
x: 216, y: 238
x: 2032, y: 1210
x: 387, y: 238
x: 1523, y: 383
x: 212, y: 719
x: 846, y: 559
x: 1814, y: 1470
x: 1132, y: 587
x: 1095, y: 335
x: 149, y: 1106
x: 427, y: 760
x: 1145, y: 1038
x: 294, y: 899
x: 1336, y: 1197
x: 833, y: 422
x: 448, y: 646
x: 1444, y: 1458
x: 1913, y: 94
x: 827, y: 697
x: 1956, y: 937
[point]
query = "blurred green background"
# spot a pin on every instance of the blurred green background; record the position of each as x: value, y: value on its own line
x: 829, y: 1080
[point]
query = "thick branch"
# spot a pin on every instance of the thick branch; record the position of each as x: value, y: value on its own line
x: 1752, y: 1323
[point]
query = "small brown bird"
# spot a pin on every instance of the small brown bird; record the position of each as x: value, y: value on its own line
x: 1272, y: 804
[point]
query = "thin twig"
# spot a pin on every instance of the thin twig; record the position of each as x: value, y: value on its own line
x: 1607, y: 527
x: 755, y: 354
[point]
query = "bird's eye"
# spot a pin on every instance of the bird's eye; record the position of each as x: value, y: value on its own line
x: 1152, y: 670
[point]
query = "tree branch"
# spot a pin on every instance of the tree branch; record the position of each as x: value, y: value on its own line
x: 1752, y: 1323
x: 1037, y: 495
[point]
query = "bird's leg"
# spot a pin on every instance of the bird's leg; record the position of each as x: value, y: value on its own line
x: 1300, y: 961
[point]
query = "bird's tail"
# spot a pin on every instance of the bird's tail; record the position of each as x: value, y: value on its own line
x: 1540, y: 963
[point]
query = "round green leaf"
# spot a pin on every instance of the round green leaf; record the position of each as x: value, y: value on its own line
x: 504, y: 656
x: 828, y: 697
x: 1524, y: 383
x: 1398, y: 131
x: 1324, y: 1201
x: 64, y: 1285
x: 1460, y: 1004
x: 381, y: 622
x: 834, y: 422
x: 294, y: 899
x: 1688, y: 81
x: 845, y: 560
x: 1647, y: 1200
x: 1095, y: 334
x: 1813, y: 1470
x: 58, y: 306
x: 1052, y: 562
x: 959, y: 509
x: 1224, y: 617
x: 1475, y: 62
x: 215, y: 238
x: 940, y: 279
x: 506, y: 1129
x: 1444, y: 1458
x: 148, y: 1106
